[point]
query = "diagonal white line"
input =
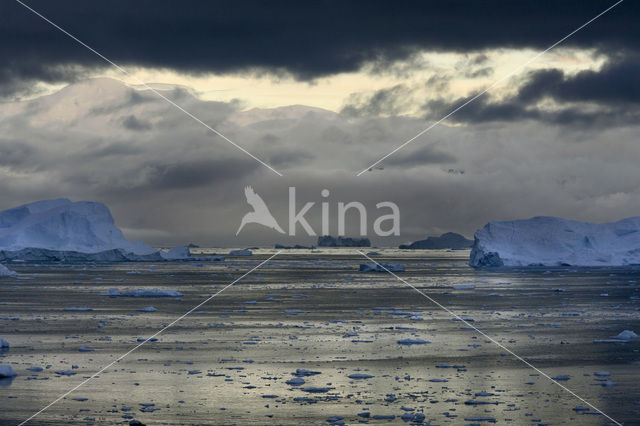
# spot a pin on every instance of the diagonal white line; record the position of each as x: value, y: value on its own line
x: 149, y: 338
x: 494, y: 84
x: 468, y: 324
x: 122, y: 70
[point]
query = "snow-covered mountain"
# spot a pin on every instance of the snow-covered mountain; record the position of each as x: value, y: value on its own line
x: 553, y: 241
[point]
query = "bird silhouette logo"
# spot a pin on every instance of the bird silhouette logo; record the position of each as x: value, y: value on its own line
x: 260, y: 213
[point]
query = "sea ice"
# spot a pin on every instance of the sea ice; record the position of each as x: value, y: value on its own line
x: 143, y: 292
x: 383, y: 267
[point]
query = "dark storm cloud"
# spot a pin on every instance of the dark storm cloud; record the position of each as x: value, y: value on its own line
x: 618, y: 82
x: 615, y: 89
x: 198, y: 173
x: 388, y: 101
x: 132, y: 123
x: 306, y: 39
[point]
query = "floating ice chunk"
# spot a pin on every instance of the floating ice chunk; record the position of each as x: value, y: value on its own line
x: 296, y: 381
x: 627, y: 335
x: 4, y: 344
x: 6, y: 371
x: 242, y: 252
x: 85, y: 349
x: 78, y: 309
x: 409, y: 342
x: 148, y: 309
x: 314, y: 389
x: 464, y: 287
x: 382, y: 267
x: 415, y: 418
x: 561, y: 377
x: 301, y: 372
x: 360, y: 376
x: 35, y: 369
x: 144, y: 292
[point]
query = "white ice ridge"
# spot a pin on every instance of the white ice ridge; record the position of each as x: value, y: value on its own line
x: 552, y: 241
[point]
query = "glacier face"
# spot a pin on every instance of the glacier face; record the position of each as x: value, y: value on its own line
x: 64, y: 226
x: 552, y: 241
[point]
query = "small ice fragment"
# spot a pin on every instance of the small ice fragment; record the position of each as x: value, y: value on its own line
x: 626, y: 335
x: 6, y: 371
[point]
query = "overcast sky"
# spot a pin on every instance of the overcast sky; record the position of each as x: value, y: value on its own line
x: 320, y: 90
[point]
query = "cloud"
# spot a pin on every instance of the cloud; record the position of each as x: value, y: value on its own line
x: 390, y: 101
x: 422, y: 156
x: 187, y: 185
x: 617, y: 83
x: 604, y: 97
x: 132, y: 123
x: 306, y: 40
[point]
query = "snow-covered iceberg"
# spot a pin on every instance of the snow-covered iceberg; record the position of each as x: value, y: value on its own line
x: 552, y: 241
x: 65, y: 230
x: 6, y: 272
x: 177, y: 253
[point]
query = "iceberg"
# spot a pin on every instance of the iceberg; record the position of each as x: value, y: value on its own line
x: 63, y: 225
x: 62, y: 230
x: 329, y: 241
x: 552, y: 241
x: 6, y: 272
x: 177, y: 253
x: 449, y: 240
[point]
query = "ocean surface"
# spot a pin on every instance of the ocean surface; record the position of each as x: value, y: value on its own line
x: 308, y: 339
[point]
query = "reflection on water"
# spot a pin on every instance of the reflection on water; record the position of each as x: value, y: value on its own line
x: 308, y: 338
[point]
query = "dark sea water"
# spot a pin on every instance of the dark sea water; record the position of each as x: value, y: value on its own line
x: 230, y: 361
